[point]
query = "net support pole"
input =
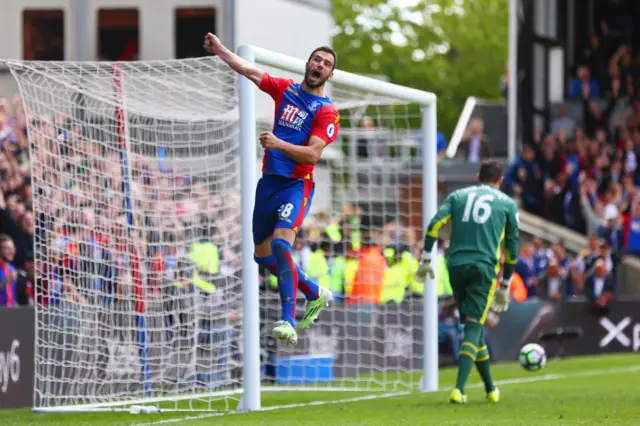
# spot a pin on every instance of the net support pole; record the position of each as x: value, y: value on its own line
x: 132, y: 249
x: 514, y: 80
x: 250, y: 277
x: 429, y: 381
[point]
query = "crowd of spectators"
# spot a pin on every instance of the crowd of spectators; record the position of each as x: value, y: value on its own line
x: 16, y: 208
x: 584, y: 173
x: 80, y: 237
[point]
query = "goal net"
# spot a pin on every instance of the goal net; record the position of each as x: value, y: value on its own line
x: 141, y: 282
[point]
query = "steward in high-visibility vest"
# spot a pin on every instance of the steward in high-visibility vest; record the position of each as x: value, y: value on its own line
x: 356, y: 234
x: 395, y: 277
x: 518, y: 288
x: 333, y: 232
x: 443, y: 284
x: 350, y: 269
x: 409, y: 264
x: 369, y: 279
x: 338, y: 269
x: 204, y: 254
x: 350, y: 226
x: 318, y: 267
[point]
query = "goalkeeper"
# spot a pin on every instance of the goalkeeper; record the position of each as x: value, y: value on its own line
x: 482, y: 218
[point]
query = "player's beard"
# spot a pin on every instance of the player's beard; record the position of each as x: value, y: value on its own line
x: 317, y: 75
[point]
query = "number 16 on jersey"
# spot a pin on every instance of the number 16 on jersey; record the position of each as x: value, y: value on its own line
x: 478, y: 209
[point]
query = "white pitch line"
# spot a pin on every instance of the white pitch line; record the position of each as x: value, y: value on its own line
x: 522, y: 380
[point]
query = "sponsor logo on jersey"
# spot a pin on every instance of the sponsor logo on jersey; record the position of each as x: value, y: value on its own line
x: 292, y: 117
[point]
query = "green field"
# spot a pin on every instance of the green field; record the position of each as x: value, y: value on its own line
x: 585, y: 391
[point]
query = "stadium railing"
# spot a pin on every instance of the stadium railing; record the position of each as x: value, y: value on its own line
x: 575, y: 242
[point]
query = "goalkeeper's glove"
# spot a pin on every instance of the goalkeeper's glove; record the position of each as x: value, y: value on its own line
x: 501, y: 298
x: 424, y: 269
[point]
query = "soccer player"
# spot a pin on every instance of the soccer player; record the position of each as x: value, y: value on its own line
x: 482, y: 219
x: 305, y: 122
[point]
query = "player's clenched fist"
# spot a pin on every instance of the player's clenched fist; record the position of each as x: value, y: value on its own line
x: 269, y: 141
x: 212, y: 43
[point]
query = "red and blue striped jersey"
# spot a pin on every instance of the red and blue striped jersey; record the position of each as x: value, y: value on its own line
x: 298, y: 116
x: 8, y: 286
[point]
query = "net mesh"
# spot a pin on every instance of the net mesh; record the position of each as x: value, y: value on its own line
x: 135, y: 170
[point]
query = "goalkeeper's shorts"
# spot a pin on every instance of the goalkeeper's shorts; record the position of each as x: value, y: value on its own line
x: 280, y: 203
x: 473, y: 288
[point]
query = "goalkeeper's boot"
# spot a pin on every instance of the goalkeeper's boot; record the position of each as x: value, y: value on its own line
x: 457, y: 397
x: 494, y: 396
x: 314, y: 307
x: 285, y: 331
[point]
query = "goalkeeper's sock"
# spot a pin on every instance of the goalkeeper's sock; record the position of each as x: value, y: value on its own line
x: 468, y: 352
x: 483, y: 365
x: 308, y: 286
x: 287, y: 278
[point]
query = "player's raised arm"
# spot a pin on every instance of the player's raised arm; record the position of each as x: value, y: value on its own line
x: 433, y: 230
x: 213, y: 45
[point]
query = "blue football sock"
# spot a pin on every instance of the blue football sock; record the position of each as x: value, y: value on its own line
x: 268, y: 262
x: 287, y: 278
x: 308, y: 286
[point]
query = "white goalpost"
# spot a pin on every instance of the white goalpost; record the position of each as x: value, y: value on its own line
x: 148, y: 297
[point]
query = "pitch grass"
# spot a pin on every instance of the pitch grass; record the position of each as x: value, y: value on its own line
x: 600, y: 390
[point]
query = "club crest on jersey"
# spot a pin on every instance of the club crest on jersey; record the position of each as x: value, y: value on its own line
x: 292, y: 117
x: 314, y: 106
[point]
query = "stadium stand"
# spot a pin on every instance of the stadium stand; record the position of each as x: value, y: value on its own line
x: 583, y: 174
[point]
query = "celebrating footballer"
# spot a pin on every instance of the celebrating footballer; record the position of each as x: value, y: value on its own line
x: 305, y: 122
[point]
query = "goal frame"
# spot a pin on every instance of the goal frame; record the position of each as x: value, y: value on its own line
x: 251, y: 399
x: 251, y: 390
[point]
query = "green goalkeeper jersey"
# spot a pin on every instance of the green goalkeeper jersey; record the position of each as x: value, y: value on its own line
x: 483, y: 218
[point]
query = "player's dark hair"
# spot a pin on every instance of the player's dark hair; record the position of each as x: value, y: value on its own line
x: 490, y: 171
x: 328, y: 50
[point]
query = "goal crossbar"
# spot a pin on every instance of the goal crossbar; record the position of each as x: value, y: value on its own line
x: 367, y: 84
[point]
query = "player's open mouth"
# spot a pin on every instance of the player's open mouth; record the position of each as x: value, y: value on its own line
x: 316, y: 74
